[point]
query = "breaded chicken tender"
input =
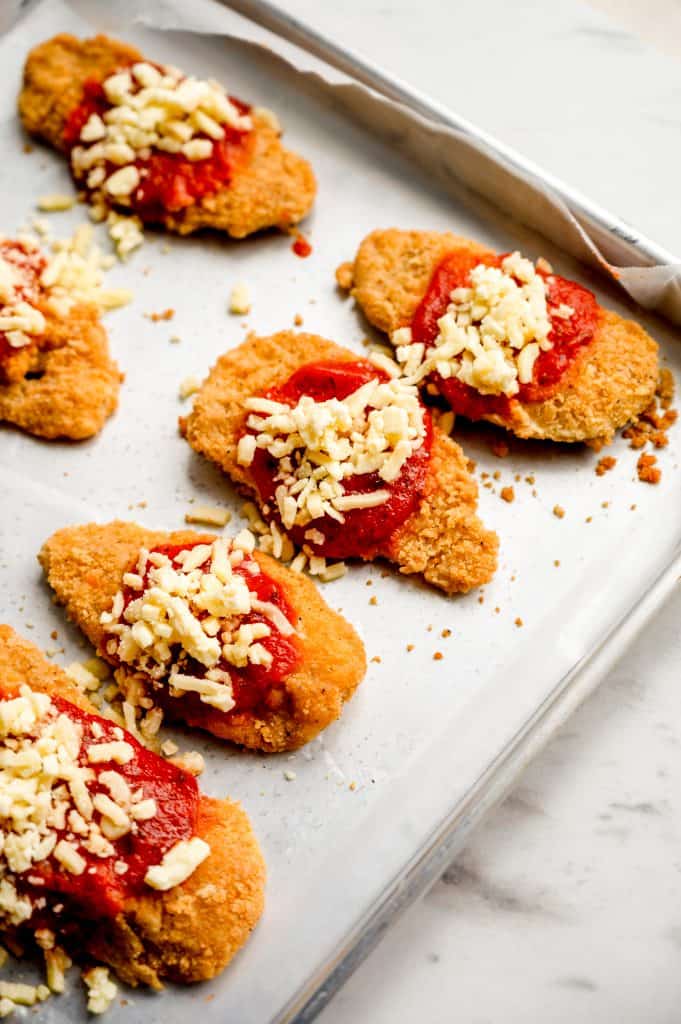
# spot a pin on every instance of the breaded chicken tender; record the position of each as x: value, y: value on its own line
x: 270, y: 186
x: 85, y: 565
x: 609, y: 382
x: 67, y: 385
x: 187, y: 933
x: 443, y: 540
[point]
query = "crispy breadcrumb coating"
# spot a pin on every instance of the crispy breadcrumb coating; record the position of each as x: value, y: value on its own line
x: 443, y: 539
x: 188, y: 933
x: 85, y: 564
x: 609, y: 383
x: 273, y: 188
x: 72, y: 384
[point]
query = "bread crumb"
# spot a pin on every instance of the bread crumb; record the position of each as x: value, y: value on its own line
x: 481, y: 599
x: 496, y: 475
x: 369, y: 583
x: 529, y: 479
x: 556, y: 562
x: 189, y: 386
x: 497, y: 610
x: 446, y: 633
x: 605, y: 464
x: 507, y: 494
x: 166, y: 314
x: 298, y: 320
x: 558, y: 511
x: 588, y: 519
x: 632, y: 508
x: 376, y: 659
x: 208, y: 515
x: 605, y: 504
x: 345, y: 276
x: 175, y: 339
x: 290, y: 776
x: 352, y: 787
x: 438, y: 656
x: 518, y: 622
x: 410, y: 647
x: 648, y: 472
x: 373, y: 600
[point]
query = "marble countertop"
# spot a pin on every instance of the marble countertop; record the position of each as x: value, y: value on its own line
x: 566, y: 906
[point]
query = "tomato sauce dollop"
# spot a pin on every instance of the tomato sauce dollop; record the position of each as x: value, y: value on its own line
x: 169, y: 182
x: 568, y: 336
x: 364, y: 530
x: 254, y: 686
x: 100, y: 891
x: 30, y: 266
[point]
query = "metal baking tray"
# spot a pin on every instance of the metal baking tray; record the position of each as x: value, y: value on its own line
x: 384, y: 799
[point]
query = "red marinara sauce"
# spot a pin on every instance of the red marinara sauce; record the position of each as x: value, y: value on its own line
x: 301, y: 247
x: 254, y: 686
x: 364, y: 530
x: 569, y: 336
x: 169, y: 181
x: 100, y: 891
x: 30, y: 265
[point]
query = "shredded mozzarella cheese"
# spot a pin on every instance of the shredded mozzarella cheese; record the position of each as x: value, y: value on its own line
x: 191, y: 609
x: 492, y: 332
x: 319, y: 445
x: 151, y: 109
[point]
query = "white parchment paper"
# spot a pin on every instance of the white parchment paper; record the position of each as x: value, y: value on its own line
x: 411, y: 745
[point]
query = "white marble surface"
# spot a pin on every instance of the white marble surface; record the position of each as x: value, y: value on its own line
x: 567, y: 904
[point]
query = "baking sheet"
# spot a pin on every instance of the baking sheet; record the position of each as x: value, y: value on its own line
x: 420, y: 734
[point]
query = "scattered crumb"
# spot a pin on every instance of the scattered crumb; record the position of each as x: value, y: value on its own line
x: 529, y: 479
x: 499, y: 448
x: 647, y: 470
x: 518, y: 622
x: 373, y: 600
x: 605, y: 504
x: 507, y: 494
x: 481, y: 599
x: 208, y: 515
x: 556, y: 562
x: 496, y: 475
x: 446, y: 633
x: 376, y: 659
x: 298, y: 320
x: 344, y: 276
x: 497, y: 610
x: 369, y: 583
x: 175, y: 339
x: 352, y: 786
x: 155, y: 318
x: 410, y: 648
x: 588, y: 519
x: 429, y: 629
x: 558, y: 511
x: 632, y: 508
x: 438, y: 656
x: 54, y: 634
x: 605, y: 464
x: 240, y: 299
x: 517, y: 478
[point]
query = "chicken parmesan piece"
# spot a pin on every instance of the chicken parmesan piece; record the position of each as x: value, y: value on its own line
x: 173, y: 149
x: 343, y: 458
x: 218, y: 635
x: 501, y: 339
x: 107, y: 847
x: 57, y: 379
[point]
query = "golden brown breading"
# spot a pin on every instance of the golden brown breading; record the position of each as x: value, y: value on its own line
x: 76, y: 383
x: 85, y: 565
x: 610, y: 382
x: 188, y: 933
x: 272, y: 188
x: 444, y: 540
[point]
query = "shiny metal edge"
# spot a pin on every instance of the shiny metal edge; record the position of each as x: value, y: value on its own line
x: 447, y: 840
x: 593, y: 217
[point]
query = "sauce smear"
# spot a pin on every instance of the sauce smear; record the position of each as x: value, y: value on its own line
x: 100, y: 891
x: 364, y: 530
x: 169, y: 181
x: 569, y: 336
